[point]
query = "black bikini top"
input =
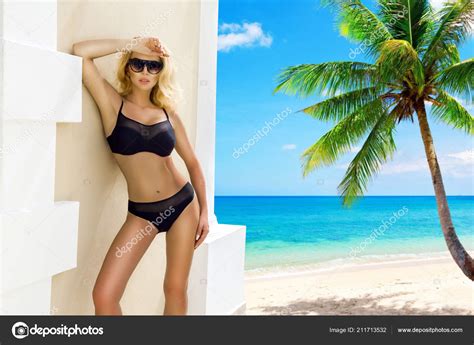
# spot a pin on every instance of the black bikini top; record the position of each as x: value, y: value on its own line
x: 130, y: 136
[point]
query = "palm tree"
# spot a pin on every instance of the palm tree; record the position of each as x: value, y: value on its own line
x: 416, y: 61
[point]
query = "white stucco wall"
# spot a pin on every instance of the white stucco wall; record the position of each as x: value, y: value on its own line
x: 39, y: 87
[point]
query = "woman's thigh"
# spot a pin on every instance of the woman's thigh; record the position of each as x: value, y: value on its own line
x: 126, y: 250
x: 180, y: 239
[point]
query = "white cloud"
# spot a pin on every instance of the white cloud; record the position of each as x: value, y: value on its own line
x: 289, y: 147
x: 437, y: 4
x: 464, y: 157
x: 457, y: 164
x: 404, y: 167
x: 242, y: 35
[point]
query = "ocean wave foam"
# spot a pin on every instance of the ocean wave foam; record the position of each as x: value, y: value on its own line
x: 341, y: 264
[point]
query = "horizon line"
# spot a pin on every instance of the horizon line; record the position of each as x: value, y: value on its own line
x: 372, y: 195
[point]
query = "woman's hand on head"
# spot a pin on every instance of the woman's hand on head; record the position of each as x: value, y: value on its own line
x: 149, y: 46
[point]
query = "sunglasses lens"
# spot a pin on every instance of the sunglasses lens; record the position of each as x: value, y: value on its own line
x: 136, y: 65
x: 154, y: 66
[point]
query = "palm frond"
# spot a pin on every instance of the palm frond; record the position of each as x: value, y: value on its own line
x: 458, y: 79
x: 338, y: 107
x: 451, y: 112
x: 453, y: 24
x: 377, y: 149
x: 360, y: 24
x: 451, y: 58
x: 406, y: 19
x: 341, y: 137
x: 397, y: 58
x: 328, y: 78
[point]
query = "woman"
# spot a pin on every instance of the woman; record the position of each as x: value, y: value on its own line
x: 142, y: 128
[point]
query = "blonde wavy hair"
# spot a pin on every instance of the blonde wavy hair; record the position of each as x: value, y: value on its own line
x: 164, y: 94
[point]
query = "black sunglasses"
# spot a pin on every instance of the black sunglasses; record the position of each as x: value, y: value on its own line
x: 152, y: 66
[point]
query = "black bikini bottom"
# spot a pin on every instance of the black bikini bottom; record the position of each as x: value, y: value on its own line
x: 163, y: 213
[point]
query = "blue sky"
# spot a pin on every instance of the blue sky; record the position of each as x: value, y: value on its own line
x: 259, y: 38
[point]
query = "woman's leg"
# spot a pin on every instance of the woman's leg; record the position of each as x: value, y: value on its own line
x: 180, y: 240
x: 124, y: 253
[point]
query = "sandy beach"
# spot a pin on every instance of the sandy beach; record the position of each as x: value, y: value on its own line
x: 433, y: 286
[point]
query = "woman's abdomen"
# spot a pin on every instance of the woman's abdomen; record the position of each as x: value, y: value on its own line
x: 149, y: 176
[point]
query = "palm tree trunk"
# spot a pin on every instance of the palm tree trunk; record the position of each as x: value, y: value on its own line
x: 459, y: 254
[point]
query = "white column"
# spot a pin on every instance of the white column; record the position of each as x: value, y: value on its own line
x: 206, y: 99
x: 39, y: 87
x: 217, y: 276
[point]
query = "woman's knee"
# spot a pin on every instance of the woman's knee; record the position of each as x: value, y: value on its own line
x: 176, y: 290
x: 101, y: 295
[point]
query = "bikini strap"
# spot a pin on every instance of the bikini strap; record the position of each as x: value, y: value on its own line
x: 166, y: 114
x: 120, y: 110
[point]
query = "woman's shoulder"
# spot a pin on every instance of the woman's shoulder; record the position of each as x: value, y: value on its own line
x: 170, y: 109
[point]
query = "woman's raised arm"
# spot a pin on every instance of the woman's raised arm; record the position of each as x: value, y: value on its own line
x: 106, y: 97
x: 101, y: 47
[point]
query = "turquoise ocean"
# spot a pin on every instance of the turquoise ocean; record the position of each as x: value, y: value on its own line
x: 294, y: 233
